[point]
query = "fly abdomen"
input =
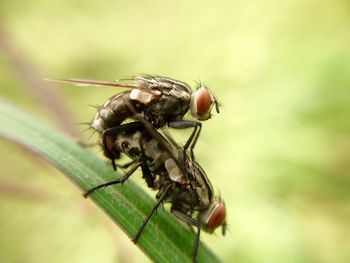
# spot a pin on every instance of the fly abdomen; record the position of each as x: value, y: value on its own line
x: 114, y: 111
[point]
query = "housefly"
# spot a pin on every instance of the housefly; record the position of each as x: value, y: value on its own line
x: 161, y: 100
x: 179, y: 181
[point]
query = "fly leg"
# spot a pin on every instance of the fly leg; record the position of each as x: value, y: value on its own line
x: 117, y: 181
x: 114, y: 131
x: 146, y: 173
x: 192, y: 140
x: 154, y: 208
x: 189, y: 220
x: 125, y: 165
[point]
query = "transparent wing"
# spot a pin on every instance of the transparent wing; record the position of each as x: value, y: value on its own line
x: 102, y: 83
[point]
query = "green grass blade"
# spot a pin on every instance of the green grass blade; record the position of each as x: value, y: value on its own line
x: 164, y: 239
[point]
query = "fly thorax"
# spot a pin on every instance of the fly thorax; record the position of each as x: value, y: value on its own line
x: 168, y: 106
x: 153, y: 118
x: 203, y: 196
x: 182, y: 95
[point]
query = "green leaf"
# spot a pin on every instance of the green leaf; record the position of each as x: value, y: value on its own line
x: 165, y: 239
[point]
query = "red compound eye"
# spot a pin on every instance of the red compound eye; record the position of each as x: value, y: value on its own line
x: 217, y: 217
x: 203, y: 101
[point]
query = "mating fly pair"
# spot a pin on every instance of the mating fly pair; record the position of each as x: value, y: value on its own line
x: 161, y: 100
x: 154, y: 102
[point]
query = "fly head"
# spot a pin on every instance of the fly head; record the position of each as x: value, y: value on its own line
x: 214, y: 216
x: 202, y: 102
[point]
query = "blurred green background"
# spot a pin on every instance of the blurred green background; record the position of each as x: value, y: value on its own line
x: 278, y: 153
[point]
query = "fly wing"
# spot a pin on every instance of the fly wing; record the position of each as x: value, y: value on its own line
x: 91, y: 82
x: 172, y: 145
x: 102, y: 83
x: 163, y: 84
